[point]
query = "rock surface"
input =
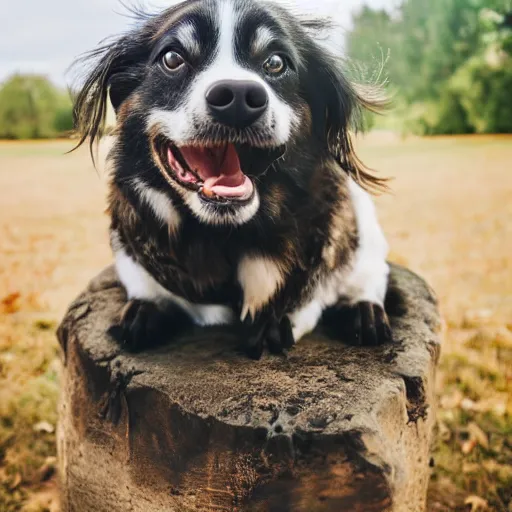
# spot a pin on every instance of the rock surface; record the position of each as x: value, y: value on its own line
x: 194, y: 426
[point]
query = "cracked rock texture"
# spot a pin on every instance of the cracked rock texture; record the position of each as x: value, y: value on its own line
x: 194, y: 426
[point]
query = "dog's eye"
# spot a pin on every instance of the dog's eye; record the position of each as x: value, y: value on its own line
x: 275, y: 64
x: 172, y: 61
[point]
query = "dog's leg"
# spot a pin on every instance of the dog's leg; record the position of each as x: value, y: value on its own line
x: 350, y: 301
x: 152, y: 312
x: 305, y: 319
x: 267, y: 330
x: 260, y: 278
x: 143, y: 324
x: 359, y: 314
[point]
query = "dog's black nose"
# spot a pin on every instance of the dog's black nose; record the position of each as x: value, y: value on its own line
x: 237, y: 103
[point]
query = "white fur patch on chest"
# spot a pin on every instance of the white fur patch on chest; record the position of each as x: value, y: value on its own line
x: 261, y: 278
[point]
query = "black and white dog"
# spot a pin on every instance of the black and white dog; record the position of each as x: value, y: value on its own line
x: 236, y: 196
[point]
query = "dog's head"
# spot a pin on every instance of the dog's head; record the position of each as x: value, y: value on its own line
x: 219, y: 103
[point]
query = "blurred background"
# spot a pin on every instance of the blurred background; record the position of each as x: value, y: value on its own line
x: 448, y: 67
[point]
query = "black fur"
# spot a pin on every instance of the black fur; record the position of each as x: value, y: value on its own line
x: 143, y: 325
x: 303, y: 194
x: 127, y: 64
x: 363, y: 324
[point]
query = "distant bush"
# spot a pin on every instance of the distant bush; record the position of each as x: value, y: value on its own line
x: 64, y: 119
x: 31, y: 107
x: 485, y: 91
x: 475, y: 100
x: 446, y: 116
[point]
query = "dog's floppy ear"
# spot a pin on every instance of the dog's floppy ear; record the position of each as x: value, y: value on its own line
x: 115, y: 73
x: 341, y: 104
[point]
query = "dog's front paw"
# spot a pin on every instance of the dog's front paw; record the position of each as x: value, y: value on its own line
x: 276, y: 335
x: 371, y: 325
x: 365, y: 324
x: 143, y: 324
x: 280, y: 336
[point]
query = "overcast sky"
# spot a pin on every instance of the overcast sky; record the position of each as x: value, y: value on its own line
x: 44, y: 36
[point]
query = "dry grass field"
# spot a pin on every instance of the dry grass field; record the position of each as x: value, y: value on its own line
x: 449, y: 218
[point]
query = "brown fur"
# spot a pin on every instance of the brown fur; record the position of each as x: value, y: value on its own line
x: 203, y: 268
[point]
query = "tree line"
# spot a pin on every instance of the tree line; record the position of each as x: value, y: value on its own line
x: 448, y: 63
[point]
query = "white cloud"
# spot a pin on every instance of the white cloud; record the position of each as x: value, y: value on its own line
x: 46, y: 36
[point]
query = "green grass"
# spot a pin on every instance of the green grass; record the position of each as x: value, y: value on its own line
x: 28, y: 397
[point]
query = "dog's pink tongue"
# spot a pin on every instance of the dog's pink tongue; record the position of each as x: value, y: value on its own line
x: 226, y: 187
x: 219, y: 168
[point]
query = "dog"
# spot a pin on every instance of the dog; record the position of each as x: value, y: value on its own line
x: 236, y: 197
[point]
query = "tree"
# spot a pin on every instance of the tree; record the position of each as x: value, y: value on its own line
x: 32, y: 108
x: 448, y: 62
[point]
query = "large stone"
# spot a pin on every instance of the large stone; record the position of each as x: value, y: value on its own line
x: 195, y: 426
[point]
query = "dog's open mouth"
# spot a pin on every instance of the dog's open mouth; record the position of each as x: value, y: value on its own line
x: 221, y: 173
x: 216, y: 170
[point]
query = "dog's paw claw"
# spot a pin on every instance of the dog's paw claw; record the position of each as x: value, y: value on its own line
x: 276, y: 335
x: 364, y: 324
x: 372, y: 325
x: 140, y: 325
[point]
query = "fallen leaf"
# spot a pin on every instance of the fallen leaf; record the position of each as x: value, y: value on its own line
x: 10, y: 304
x: 468, y: 446
x: 477, y: 504
x: 478, y: 435
x: 44, y: 426
x: 16, y: 482
x: 47, y: 470
x: 467, y: 404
